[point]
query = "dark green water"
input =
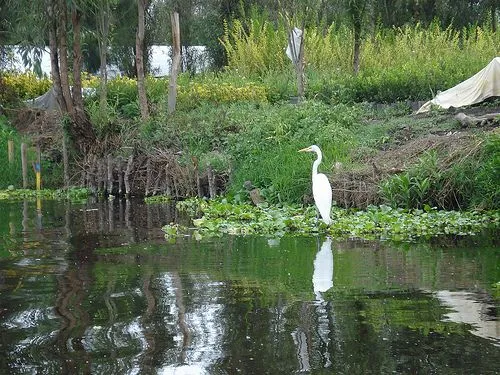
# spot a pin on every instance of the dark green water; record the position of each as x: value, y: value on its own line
x: 96, y: 289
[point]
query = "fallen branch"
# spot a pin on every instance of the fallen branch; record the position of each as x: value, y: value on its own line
x: 471, y: 121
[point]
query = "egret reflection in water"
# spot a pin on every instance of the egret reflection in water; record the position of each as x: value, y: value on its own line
x: 97, y: 289
x: 322, y: 280
x: 323, y: 270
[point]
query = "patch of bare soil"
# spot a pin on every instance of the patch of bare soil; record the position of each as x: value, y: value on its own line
x: 359, y: 187
x: 42, y: 127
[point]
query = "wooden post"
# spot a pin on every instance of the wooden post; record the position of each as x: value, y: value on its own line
x: 65, y: 162
x: 109, y: 183
x: 38, y: 168
x: 148, y: 176
x: 127, y: 175
x: 10, y: 146
x: 157, y: 182
x: 91, y: 178
x: 197, y: 176
x: 100, y: 180
x: 119, y: 167
x: 168, y: 188
x: 176, y: 60
x: 24, y: 163
x: 111, y: 215
x: 212, y: 188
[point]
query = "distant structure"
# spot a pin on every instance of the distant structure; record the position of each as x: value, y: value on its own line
x: 159, y: 60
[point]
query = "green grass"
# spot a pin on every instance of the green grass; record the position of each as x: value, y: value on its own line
x: 10, y: 172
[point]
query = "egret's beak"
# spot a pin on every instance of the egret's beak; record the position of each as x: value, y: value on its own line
x: 307, y: 149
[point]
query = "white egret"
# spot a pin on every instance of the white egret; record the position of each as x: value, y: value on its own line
x: 322, y: 191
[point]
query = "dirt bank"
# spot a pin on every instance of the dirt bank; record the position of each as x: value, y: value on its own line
x: 403, y: 142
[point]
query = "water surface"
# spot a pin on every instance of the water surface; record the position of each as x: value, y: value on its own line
x: 96, y: 288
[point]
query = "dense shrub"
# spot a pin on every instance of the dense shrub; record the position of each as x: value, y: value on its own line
x: 194, y: 94
x: 471, y: 182
x: 259, y: 141
x: 24, y: 85
x: 191, y: 93
x: 486, y: 177
x: 396, y: 64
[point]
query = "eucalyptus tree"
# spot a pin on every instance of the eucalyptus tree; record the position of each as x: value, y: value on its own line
x: 142, y: 6
x: 57, y: 23
x: 65, y: 22
x: 104, y: 19
x: 3, y: 34
x: 356, y: 10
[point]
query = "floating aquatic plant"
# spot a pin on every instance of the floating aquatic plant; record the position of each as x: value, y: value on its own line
x: 61, y: 194
x: 217, y: 217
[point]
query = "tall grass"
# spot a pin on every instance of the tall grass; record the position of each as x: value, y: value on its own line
x: 265, y: 150
x: 410, y: 62
x: 10, y: 173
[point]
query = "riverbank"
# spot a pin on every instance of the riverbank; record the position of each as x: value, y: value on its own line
x: 373, y: 154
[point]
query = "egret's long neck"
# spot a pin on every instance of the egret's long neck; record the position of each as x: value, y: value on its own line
x: 317, y: 162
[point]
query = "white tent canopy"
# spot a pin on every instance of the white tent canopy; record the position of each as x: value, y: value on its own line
x: 480, y: 86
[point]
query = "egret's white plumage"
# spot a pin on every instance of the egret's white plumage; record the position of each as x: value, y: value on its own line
x: 322, y: 191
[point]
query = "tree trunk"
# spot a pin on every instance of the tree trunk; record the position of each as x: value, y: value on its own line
x: 494, y: 16
x: 83, y: 135
x: 63, y: 55
x: 300, y: 68
x: 357, y: 48
x: 176, y: 46
x: 80, y: 129
x: 297, y: 57
x: 103, y: 26
x: 54, y: 56
x: 357, y: 10
x: 139, y: 59
x: 77, y: 58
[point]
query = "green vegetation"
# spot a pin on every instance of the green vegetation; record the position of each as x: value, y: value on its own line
x: 24, y: 85
x: 241, y: 124
x: 73, y: 194
x: 10, y: 173
x: 216, y: 217
x: 396, y: 64
x: 470, y: 181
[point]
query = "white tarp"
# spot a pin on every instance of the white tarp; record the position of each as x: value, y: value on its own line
x: 480, y: 86
x: 47, y: 101
x: 293, y: 48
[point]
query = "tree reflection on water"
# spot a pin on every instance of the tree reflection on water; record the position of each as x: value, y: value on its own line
x: 95, y: 288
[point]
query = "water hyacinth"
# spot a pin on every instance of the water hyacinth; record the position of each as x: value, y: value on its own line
x: 72, y: 194
x: 217, y: 217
